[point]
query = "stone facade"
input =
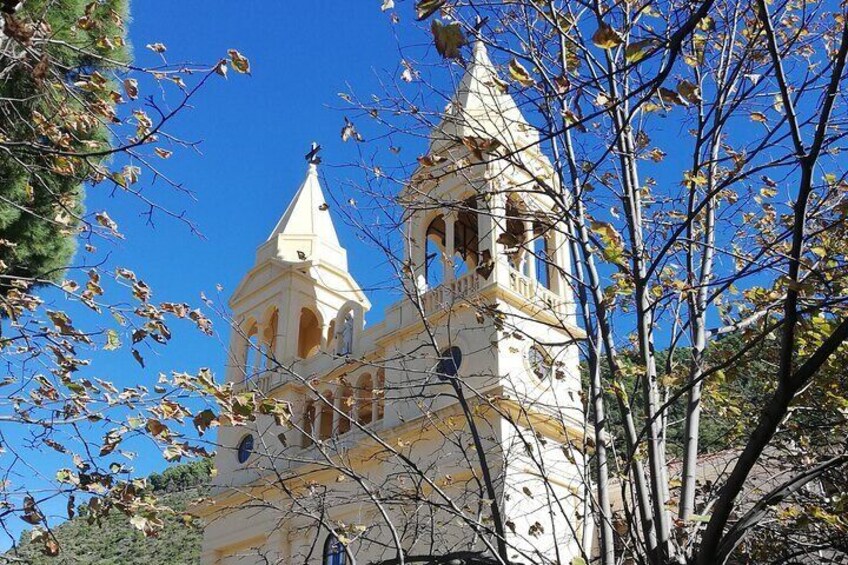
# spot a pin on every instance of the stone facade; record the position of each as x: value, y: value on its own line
x: 380, y: 452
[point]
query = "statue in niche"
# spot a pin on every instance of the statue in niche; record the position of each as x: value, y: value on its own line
x: 344, y: 335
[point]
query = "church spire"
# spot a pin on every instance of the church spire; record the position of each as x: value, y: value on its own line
x: 482, y: 107
x: 308, y: 213
x: 305, y: 231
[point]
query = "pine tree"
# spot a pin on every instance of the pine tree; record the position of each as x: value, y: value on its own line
x: 74, y: 43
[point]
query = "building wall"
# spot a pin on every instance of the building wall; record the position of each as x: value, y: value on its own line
x: 421, y: 420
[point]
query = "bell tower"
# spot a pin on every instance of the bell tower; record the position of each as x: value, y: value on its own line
x: 488, y: 251
x: 484, y: 200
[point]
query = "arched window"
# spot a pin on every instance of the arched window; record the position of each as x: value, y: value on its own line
x: 434, y: 266
x: 346, y: 405
x: 309, y: 334
x: 335, y: 553
x: 364, y: 403
x: 245, y: 448
x: 308, y: 423
x: 466, y: 238
x: 325, y: 429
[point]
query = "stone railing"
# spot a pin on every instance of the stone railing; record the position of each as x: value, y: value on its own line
x: 536, y: 293
x: 266, y: 381
x: 263, y: 382
x: 446, y: 294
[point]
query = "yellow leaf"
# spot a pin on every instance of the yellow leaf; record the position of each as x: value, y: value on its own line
x: 448, y: 39
x: 239, y: 62
x: 112, y: 340
x: 425, y: 8
x: 602, y: 100
x: 689, y: 91
x: 698, y: 179
x: 430, y: 160
x: 695, y: 57
x: 104, y: 220
x: 637, y: 51
x: 706, y: 24
x: 656, y: 154
x: 669, y: 96
x: 606, y: 37
x: 131, y: 88
x: 520, y: 74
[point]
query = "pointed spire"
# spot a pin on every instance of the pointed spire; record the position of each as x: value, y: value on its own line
x: 308, y: 213
x: 306, y: 230
x: 482, y: 107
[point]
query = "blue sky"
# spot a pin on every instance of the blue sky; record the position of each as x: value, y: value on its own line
x: 254, y: 131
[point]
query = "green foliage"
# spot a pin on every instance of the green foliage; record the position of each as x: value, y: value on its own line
x: 44, y: 110
x: 732, y: 396
x: 181, y: 477
x: 115, y: 542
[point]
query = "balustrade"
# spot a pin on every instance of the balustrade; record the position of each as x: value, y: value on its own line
x: 446, y: 294
x: 536, y: 293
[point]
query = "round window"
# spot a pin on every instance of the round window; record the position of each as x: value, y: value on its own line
x: 450, y: 362
x: 245, y: 448
x: 540, y: 362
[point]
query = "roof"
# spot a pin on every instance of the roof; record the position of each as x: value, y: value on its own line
x: 481, y: 107
x: 306, y: 233
x: 308, y: 214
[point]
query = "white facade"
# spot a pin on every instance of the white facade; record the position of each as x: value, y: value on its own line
x: 379, y: 449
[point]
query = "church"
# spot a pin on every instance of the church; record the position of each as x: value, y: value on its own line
x: 451, y: 428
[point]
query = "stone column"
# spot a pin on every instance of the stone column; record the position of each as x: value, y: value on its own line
x: 527, y: 252
x: 416, y: 254
x: 235, y: 362
x: 450, y: 246
x: 559, y: 257
x: 290, y: 321
x: 497, y: 223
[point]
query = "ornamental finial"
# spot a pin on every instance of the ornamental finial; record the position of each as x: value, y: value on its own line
x: 312, y: 157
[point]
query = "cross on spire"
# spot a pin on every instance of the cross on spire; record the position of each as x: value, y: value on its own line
x: 312, y: 157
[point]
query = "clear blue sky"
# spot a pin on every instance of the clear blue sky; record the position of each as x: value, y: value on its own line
x: 255, y: 131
